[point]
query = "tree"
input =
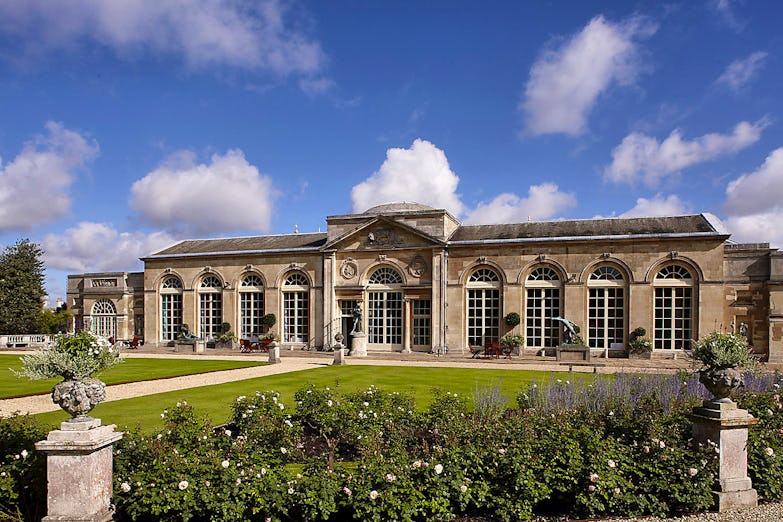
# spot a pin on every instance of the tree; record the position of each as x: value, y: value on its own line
x: 21, y: 287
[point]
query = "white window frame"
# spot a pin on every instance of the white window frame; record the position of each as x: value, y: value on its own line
x: 296, y: 308
x: 606, y: 323
x: 104, y: 318
x: 251, y: 305
x: 673, y: 321
x: 543, y: 285
x: 170, y: 308
x: 483, y: 306
x: 210, y: 306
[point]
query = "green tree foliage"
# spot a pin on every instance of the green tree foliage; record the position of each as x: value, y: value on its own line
x: 54, y: 321
x: 21, y: 287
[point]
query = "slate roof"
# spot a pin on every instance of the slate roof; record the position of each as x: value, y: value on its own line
x: 240, y: 245
x: 589, y: 228
x: 672, y: 226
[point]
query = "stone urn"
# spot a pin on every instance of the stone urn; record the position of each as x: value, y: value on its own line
x: 79, y: 397
x: 721, y: 382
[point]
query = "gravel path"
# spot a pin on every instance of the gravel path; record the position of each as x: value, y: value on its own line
x: 770, y: 512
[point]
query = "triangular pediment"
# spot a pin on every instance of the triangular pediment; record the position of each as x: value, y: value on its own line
x: 382, y: 233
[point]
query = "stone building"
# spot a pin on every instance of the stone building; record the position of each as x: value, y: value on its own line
x: 425, y: 282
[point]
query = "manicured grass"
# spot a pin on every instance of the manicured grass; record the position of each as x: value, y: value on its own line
x: 215, y: 401
x: 131, y: 370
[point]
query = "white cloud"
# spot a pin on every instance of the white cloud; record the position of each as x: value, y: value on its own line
x: 34, y: 186
x: 740, y: 72
x: 419, y: 174
x: 754, y: 203
x: 643, y: 156
x: 760, y: 227
x: 228, y: 194
x: 316, y: 86
x: 97, y: 247
x: 658, y: 205
x: 203, y: 33
x: 544, y: 201
x: 565, y: 83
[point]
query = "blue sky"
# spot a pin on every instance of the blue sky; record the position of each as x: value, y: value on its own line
x: 125, y: 126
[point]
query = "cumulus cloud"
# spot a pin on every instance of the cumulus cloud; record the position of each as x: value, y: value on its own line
x: 754, y: 203
x: 740, y: 72
x: 97, y: 247
x: 542, y: 202
x: 643, y: 156
x: 760, y: 227
x: 658, y: 205
x: 420, y: 173
x: 565, y: 83
x: 34, y: 186
x: 227, y: 194
x: 202, y: 33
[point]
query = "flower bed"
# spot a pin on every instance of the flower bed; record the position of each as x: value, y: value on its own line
x: 617, y: 447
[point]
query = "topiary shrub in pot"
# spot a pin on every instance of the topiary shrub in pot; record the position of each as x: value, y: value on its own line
x: 639, y: 346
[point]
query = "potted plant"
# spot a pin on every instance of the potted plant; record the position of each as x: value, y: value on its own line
x: 268, y: 321
x: 512, y: 343
x: 723, y: 355
x: 226, y: 338
x: 75, y: 358
x: 513, y: 320
x: 639, y: 346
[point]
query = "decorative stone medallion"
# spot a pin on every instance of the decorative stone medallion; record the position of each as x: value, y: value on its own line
x: 349, y: 269
x: 417, y: 267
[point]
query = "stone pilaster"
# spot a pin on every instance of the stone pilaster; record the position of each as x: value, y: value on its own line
x: 79, y: 471
x: 727, y: 426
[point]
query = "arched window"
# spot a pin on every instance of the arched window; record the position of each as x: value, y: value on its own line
x: 483, y: 302
x: 296, y: 308
x: 542, y: 303
x: 606, y: 307
x: 104, y: 319
x: 384, y: 309
x: 170, y: 308
x: 251, y: 305
x: 210, y: 305
x: 674, y: 297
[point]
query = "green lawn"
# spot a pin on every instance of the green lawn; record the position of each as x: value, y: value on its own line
x: 215, y: 401
x: 130, y: 371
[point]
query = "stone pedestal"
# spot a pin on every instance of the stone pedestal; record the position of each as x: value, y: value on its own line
x: 339, y: 356
x: 727, y: 426
x: 274, y: 353
x: 359, y: 347
x: 79, y: 471
x: 572, y: 352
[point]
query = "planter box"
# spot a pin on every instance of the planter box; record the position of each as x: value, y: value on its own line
x: 640, y: 355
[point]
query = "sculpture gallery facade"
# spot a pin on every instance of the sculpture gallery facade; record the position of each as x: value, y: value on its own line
x: 425, y: 282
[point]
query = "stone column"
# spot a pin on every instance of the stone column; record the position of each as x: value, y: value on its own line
x: 727, y: 426
x: 407, y: 320
x: 339, y: 355
x: 79, y: 471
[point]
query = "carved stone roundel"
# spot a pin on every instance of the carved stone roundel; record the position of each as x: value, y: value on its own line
x: 349, y: 269
x: 417, y: 267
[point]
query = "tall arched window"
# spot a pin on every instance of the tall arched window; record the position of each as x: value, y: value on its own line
x: 104, y: 318
x: 483, y: 313
x: 674, y: 294
x: 210, y: 306
x: 170, y: 308
x: 384, y: 308
x: 296, y: 308
x: 251, y: 305
x: 542, y: 303
x: 606, y: 307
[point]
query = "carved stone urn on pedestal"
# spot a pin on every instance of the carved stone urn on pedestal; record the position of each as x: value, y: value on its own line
x: 721, y: 382
x: 79, y: 397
